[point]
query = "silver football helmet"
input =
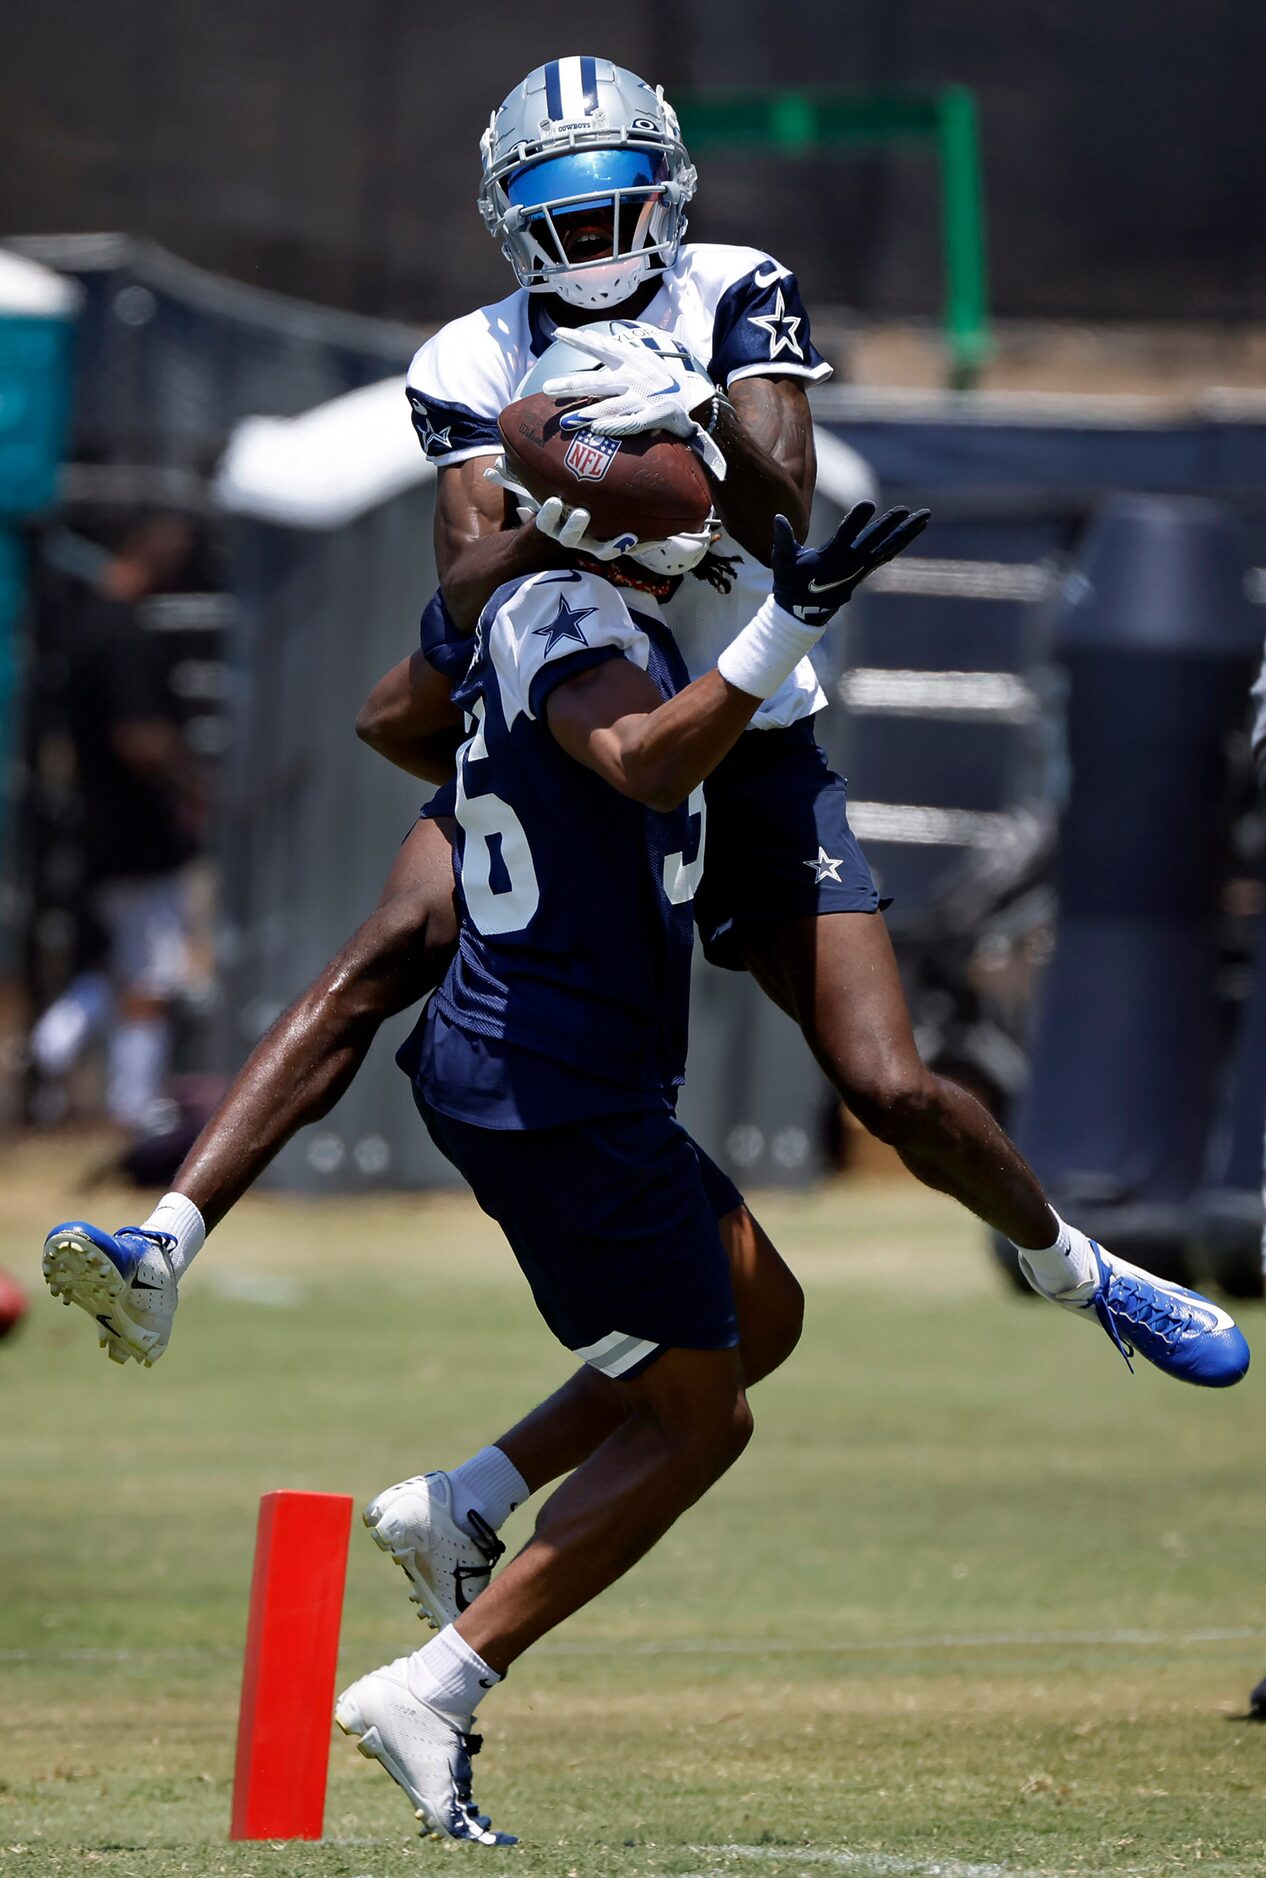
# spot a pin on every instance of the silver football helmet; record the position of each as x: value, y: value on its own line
x: 585, y: 181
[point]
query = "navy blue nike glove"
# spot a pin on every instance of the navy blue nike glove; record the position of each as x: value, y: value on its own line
x: 812, y: 583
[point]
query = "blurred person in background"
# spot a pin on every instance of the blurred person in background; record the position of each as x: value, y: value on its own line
x: 144, y: 805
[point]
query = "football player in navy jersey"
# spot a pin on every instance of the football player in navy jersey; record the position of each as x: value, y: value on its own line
x: 546, y: 1068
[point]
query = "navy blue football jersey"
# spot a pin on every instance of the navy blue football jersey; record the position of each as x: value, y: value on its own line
x: 569, y: 991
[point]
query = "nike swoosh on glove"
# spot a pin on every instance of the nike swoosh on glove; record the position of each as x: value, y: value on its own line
x: 637, y: 389
x: 813, y: 583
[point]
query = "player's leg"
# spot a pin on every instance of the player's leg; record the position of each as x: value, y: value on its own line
x: 781, y: 856
x: 685, y: 1421
x: 310, y: 1055
x: 127, y: 1279
x: 610, y: 1222
x: 836, y: 975
x: 441, y: 1528
x: 564, y: 1430
x: 788, y: 894
x: 838, y: 978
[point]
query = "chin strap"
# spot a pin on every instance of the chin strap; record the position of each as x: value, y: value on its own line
x: 594, y: 291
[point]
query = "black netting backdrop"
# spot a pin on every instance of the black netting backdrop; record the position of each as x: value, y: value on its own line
x: 330, y: 151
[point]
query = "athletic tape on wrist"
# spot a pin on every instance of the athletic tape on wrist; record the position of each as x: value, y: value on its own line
x: 767, y: 651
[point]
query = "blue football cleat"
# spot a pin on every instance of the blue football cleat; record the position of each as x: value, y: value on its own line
x: 1181, y: 1332
x: 124, y: 1280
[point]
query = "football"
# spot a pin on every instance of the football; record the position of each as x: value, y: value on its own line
x: 651, y: 485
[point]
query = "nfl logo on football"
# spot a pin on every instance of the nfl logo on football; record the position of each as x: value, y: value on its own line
x: 589, y: 457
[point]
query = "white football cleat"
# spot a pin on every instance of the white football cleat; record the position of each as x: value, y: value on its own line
x: 445, y: 1566
x: 122, y: 1279
x: 423, y: 1751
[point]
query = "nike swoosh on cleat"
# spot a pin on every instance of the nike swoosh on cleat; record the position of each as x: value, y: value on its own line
x: 140, y: 1284
x: 460, y: 1574
x: 1195, y: 1301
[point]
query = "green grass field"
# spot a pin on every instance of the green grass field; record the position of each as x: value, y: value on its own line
x: 974, y: 1603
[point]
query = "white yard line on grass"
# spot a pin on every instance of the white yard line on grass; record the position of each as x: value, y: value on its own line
x: 798, y: 1861
x: 860, y: 1864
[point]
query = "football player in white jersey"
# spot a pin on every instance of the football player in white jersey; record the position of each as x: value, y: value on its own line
x: 585, y: 185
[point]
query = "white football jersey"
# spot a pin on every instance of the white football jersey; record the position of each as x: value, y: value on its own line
x: 738, y: 311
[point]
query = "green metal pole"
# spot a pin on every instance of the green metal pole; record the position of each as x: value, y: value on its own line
x: 793, y: 122
x: 963, y: 226
x: 800, y: 123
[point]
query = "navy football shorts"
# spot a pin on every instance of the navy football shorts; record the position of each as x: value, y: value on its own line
x: 613, y: 1220
x: 779, y: 846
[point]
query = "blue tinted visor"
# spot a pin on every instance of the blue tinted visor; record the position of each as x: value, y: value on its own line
x: 589, y: 173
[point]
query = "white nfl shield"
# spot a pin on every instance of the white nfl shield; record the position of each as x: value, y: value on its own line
x: 589, y: 457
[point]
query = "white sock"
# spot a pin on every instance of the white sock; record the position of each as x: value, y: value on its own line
x: 1063, y: 1266
x: 136, y: 1063
x: 179, y: 1217
x: 448, y: 1675
x: 489, y: 1484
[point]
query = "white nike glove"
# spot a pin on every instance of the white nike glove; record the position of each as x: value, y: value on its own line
x: 638, y: 389
x: 570, y: 529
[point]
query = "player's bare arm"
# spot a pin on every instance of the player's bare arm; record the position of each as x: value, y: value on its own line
x: 655, y: 750
x: 765, y: 431
x: 614, y: 720
x: 479, y: 542
x: 409, y: 718
x: 479, y: 545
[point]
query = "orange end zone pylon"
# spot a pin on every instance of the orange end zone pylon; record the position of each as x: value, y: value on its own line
x: 283, y: 1728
